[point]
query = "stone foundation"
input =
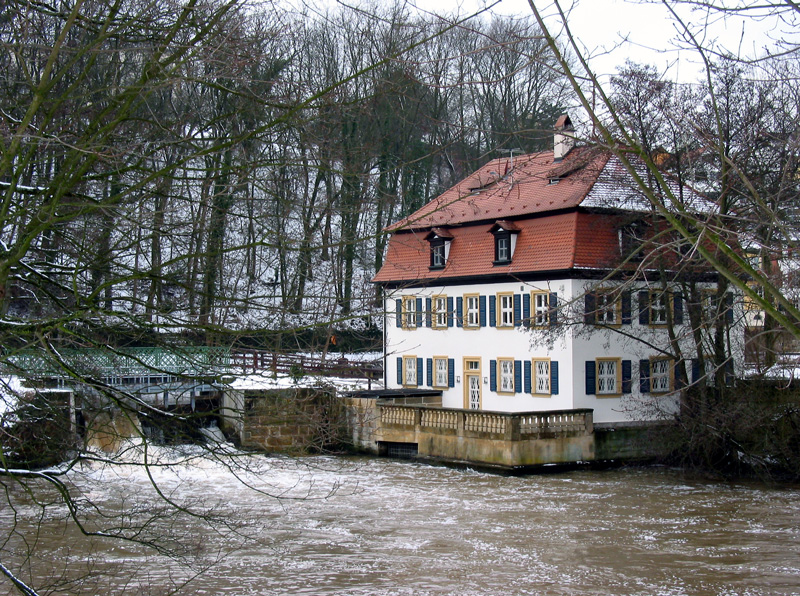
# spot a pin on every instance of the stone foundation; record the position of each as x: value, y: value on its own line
x: 297, y: 420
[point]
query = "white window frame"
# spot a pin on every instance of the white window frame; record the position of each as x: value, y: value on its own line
x: 439, y: 314
x: 659, y: 306
x: 410, y: 372
x: 607, y: 308
x: 541, y: 308
x: 541, y: 376
x: 409, y: 312
x: 660, y: 375
x: 440, y: 371
x: 505, y: 310
x: 438, y: 256
x: 608, y: 375
x: 472, y: 311
x: 505, y: 375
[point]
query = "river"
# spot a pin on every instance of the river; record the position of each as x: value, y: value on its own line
x: 377, y: 527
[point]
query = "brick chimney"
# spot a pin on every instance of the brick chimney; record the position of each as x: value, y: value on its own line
x: 563, y: 139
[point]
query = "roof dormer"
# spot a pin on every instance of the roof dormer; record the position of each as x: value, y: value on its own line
x: 505, y: 241
x: 440, y: 240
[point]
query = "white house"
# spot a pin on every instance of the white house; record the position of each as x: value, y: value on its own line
x: 511, y: 292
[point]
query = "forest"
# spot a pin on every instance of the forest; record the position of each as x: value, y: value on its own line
x: 222, y: 172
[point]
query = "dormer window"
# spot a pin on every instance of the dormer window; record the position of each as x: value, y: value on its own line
x: 631, y: 240
x: 502, y: 247
x: 438, y: 259
x: 505, y: 241
x: 440, y: 240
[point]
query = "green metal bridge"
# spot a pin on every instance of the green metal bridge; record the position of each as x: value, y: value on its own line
x: 119, y: 363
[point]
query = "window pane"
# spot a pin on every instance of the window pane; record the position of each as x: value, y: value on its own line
x: 410, y: 312
x: 411, y: 371
x: 659, y: 375
x: 503, y: 249
x: 606, y: 309
x: 472, y: 311
x: 440, y: 311
x: 507, y: 376
x: 437, y: 255
x: 658, y: 309
x: 541, y: 308
x: 441, y: 372
x: 506, y: 310
x: 542, y: 369
x: 607, y: 376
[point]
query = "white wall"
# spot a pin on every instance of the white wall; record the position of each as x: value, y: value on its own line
x: 571, y: 343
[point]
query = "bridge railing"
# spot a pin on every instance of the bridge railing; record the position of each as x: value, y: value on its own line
x: 254, y: 361
x: 189, y: 361
x: 198, y: 361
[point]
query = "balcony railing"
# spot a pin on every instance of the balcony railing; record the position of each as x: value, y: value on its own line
x: 500, y: 425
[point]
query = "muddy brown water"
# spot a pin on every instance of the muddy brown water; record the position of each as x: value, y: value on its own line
x: 366, y: 526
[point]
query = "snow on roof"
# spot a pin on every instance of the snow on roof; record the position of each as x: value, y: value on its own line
x: 616, y: 189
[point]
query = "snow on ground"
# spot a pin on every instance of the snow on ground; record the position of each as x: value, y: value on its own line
x: 267, y: 381
x: 10, y: 390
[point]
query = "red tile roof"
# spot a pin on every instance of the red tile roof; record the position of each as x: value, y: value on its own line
x: 537, y: 199
x: 552, y: 240
x: 549, y: 243
x: 535, y: 184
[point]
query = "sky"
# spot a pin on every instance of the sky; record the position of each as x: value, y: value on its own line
x: 615, y: 30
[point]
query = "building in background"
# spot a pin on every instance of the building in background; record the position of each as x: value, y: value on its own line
x: 545, y: 282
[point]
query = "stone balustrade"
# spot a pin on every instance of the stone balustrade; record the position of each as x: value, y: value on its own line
x: 500, y: 425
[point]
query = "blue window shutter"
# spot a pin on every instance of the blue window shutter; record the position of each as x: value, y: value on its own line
x: 626, y: 307
x: 527, y: 376
x: 517, y: 310
x: 482, y: 309
x: 460, y: 311
x: 449, y: 311
x: 591, y: 374
x: 695, y: 370
x: 428, y: 308
x: 429, y: 367
x: 554, y: 377
x: 399, y: 310
x: 729, y: 308
x: 644, y: 308
x: 451, y: 372
x: 493, y: 375
x: 553, y: 314
x: 679, y: 372
x: 589, y: 308
x: 419, y: 372
x: 492, y: 311
x: 627, y: 366
x: 677, y: 308
x: 729, y: 374
x: 399, y: 370
x: 419, y: 312
x: 526, y: 310
x: 644, y: 376
x: 517, y: 376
